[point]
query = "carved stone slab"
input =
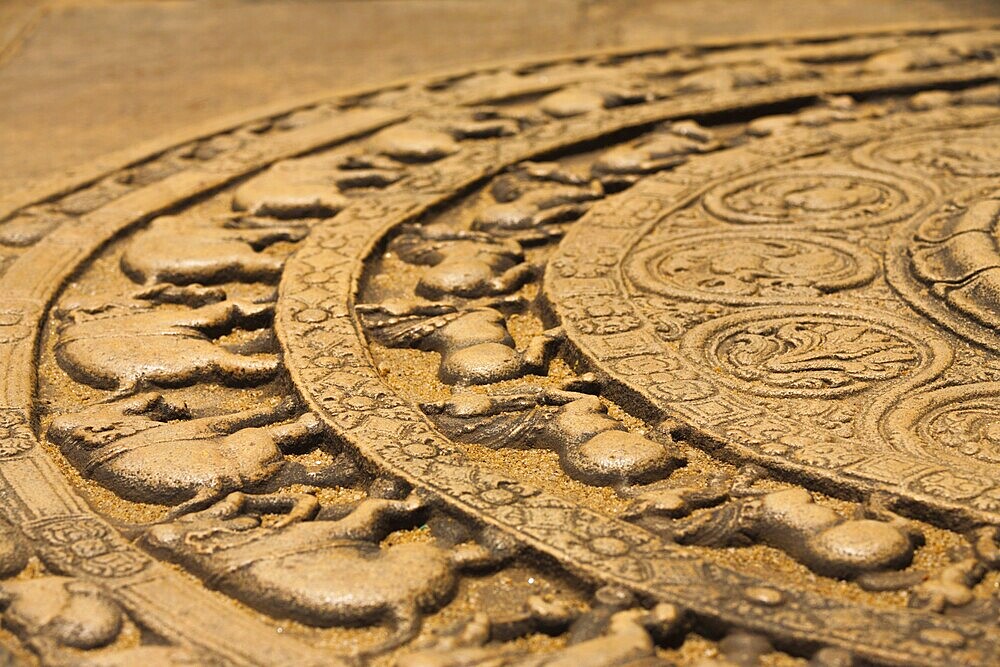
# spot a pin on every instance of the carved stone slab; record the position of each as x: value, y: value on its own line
x: 675, y: 357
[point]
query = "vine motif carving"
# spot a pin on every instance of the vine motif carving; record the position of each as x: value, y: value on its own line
x: 824, y: 199
x: 88, y: 545
x: 952, y: 153
x: 16, y: 436
x: 750, y: 268
x: 805, y: 356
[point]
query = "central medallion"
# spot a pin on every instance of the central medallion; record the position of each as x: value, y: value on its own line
x: 770, y: 321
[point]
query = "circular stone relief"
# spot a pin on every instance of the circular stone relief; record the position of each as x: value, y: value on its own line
x: 737, y: 267
x: 816, y: 198
x: 227, y: 438
x: 803, y: 353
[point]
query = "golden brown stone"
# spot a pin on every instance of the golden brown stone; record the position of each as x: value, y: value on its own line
x: 660, y: 350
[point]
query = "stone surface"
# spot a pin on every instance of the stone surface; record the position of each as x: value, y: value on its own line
x: 675, y: 357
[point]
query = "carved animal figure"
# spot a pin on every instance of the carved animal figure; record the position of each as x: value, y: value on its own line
x: 577, y: 100
x: 462, y: 264
x: 744, y: 75
x: 485, y: 123
x: 613, y: 636
x: 474, y: 343
x: 128, y: 348
x: 312, y: 187
x: 150, y: 450
x: 320, y: 572
x: 627, y: 641
x: 54, y: 612
x: 950, y: 589
x: 592, y: 446
x: 184, y: 250
x: 828, y: 110
x: 668, y: 147
x: 534, y: 200
x: 409, y: 143
x: 789, y: 519
x: 912, y: 58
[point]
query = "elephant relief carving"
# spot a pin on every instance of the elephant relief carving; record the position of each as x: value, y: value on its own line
x: 186, y: 250
x: 150, y: 449
x: 130, y: 347
x: 312, y: 187
x: 324, y: 571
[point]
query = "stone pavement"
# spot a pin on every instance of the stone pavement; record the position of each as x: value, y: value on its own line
x: 82, y: 78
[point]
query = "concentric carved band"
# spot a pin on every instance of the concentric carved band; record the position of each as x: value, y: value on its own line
x: 332, y: 366
x: 746, y: 376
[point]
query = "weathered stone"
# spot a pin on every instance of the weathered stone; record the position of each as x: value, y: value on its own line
x: 664, y: 373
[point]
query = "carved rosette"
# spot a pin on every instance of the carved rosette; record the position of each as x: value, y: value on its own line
x: 747, y: 268
x: 820, y: 198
